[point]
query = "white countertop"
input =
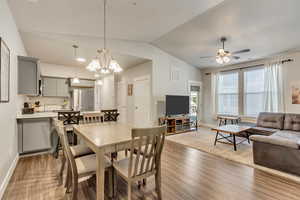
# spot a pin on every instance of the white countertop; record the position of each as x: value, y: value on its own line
x: 37, y: 115
x: 46, y: 115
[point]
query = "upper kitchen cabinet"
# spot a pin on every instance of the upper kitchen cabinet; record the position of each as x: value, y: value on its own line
x: 62, y: 87
x: 55, y: 87
x: 28, y: 76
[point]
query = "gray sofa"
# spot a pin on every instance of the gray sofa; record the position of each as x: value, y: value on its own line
x: 276, y: 141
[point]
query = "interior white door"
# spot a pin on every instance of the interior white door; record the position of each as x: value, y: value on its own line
x: 142, y: 98
x: 122, y: 101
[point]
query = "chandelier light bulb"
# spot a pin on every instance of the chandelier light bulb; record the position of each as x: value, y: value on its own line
x: 104, y: 71
x: 93, y: 66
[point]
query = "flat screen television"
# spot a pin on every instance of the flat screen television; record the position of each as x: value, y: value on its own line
x: 177, y: 105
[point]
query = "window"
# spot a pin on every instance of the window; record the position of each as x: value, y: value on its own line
x: 228, y: 93
x: 253, y: 91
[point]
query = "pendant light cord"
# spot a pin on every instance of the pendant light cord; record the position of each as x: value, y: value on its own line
x: 104, y: 22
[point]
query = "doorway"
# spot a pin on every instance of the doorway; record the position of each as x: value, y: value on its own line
x: 142, y: 101
x: 122, y: 101
x: 195, y: 101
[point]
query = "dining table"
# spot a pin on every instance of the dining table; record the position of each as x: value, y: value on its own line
x: 104, y: 138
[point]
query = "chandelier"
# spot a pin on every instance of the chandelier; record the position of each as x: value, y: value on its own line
x: 103, y: 62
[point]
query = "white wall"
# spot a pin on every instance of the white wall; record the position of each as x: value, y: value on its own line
x: 108, y: 93
x: 8, y: 133
x: 163, y: 65
x: 128, y: 77
x: 65, y: 71
x: 291, y: 73
x: 162, y: 61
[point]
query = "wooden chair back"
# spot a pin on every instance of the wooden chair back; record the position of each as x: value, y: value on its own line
x: 110, y: 115
x: 92, y: 118
x: 69, y: 117
x: 148, y: 144
x: 57, y: 125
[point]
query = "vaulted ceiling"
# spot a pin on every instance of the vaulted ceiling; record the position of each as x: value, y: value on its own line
x: 187, y: 29
x: 266, y: 27
x: 133, y: 20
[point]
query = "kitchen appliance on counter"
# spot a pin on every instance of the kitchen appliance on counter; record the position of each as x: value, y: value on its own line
x: 28, y: 109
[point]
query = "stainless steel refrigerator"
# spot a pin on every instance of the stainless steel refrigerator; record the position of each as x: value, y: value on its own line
x: 83, y: 99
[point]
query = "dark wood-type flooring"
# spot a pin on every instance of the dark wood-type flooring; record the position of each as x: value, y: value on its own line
x: 187, y: 174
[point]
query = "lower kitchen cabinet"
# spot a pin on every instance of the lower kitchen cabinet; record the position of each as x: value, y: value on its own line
x: 34, y: 134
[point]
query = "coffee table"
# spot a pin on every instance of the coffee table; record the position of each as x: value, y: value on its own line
x: 233, y: 131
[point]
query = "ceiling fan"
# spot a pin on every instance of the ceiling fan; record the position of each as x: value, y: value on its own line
x: 224, y: 56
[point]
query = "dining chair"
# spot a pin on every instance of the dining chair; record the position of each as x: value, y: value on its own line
x: 69, y: 119
x: 92, y: 118
x: 77, y: 150
x: 148, y: 143
x: 110, y: 115
x: 82, y: 167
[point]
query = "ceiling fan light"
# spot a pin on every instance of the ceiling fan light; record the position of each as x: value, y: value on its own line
x: 221, y: 51
x: 226, y: 59
x: 219, y: 60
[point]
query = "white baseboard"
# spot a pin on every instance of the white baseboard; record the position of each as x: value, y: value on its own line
x: 8, y: 176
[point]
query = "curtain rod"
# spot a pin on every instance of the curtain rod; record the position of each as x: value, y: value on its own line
x: 228, y: 70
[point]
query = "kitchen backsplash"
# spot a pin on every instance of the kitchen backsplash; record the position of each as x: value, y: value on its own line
x: 50, y: 103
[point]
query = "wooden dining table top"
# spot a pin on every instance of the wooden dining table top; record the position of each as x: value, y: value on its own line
x: 104, y: 134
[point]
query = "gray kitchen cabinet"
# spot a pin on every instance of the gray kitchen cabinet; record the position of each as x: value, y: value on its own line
x: 62, y: 88
x: 34, y: 135
x: 55, y: 87
x: 28, y: 76
x: 49, y: 87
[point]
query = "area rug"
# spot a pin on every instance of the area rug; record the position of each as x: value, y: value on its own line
x: 203, y: 140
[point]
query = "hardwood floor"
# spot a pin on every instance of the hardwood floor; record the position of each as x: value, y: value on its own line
x: 187, y: 174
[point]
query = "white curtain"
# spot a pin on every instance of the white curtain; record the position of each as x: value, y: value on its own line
x: 214, y: 91
x: 273, y: 87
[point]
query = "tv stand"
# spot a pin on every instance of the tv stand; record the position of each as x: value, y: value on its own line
x: 176, y: 124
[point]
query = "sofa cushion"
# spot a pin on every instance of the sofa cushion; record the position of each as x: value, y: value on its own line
x: 270, y: 120
x: 292, y: 122
x: 261, y: 131
x: 275, y: 140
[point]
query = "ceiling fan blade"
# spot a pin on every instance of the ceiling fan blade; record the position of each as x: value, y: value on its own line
x: 236, y: 57
x: 203, y: 57
x: 241, y: 51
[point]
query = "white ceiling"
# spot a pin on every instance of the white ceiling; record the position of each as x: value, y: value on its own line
x: 57, y: 51
x: 133, y: 20
x: 187, y: 29
x: 265, y: 26
x: 145, y: 21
